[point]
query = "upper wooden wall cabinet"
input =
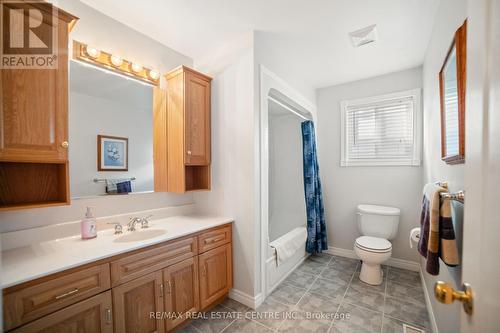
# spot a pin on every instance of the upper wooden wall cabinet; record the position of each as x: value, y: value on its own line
x: 34, y: 129
x: 182, y: 128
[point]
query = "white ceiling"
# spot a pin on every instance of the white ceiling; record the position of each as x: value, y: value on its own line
x: 311, y: 36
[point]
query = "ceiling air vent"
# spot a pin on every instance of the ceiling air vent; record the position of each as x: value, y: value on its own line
x: 364, y: 36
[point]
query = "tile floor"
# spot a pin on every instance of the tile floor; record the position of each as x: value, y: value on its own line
x: 324, y: 294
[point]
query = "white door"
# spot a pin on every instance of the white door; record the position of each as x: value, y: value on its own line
x: 481, y: 251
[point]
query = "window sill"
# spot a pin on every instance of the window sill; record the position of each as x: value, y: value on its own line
x: 370, y: 163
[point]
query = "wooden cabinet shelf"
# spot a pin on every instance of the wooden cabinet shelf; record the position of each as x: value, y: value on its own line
x: 182, y: 132
x: 197, y: 177
x: 30, y: 185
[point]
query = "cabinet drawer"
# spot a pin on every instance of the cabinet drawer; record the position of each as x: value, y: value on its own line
x: 147, y: 261
x: 35, y: 301
x: 91, y: 315
x: 214, y: 238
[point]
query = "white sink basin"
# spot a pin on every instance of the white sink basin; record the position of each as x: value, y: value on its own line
x: 139, y: 235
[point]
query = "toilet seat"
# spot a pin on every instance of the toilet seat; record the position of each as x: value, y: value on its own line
x: 373, y: 244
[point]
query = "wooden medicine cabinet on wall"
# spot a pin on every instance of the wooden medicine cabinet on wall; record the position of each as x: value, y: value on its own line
x: 452, y: 84
x: 34, y: 123
x: 182, y: 132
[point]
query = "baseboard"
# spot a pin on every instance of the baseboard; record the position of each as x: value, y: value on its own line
x: 393, y: 262
x: 337, y: 251
x: 430, y: 311
x: 405, y: 264
x: 246, y: 299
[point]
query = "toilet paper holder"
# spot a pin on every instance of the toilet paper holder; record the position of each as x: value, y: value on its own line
x: 414, y: 236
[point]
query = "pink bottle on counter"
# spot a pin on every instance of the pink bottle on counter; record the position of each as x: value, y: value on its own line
x: 88, y: 225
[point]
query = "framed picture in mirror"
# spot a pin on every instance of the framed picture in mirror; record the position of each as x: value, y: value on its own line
x: 112, y: 153
x: 452, y: 83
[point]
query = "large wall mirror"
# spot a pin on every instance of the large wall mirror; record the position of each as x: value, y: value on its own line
x: 452, y: 82
x: 111, y: 133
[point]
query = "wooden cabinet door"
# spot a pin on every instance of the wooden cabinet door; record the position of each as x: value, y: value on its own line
x: 181, y: 291
x: 34, y: 110
x: 197, y: 120
x: 136, y: 302
x: 216, y: 274
x: 91, y: 315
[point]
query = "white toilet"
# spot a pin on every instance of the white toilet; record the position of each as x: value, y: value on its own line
x: 378, y: 225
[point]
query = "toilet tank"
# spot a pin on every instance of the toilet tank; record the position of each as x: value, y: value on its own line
x: 378, y: 221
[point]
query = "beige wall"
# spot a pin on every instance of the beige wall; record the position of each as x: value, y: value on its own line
x: 346, y: 187
x: 449, y: 17
x: 233, y: 156
x: 451, y: 14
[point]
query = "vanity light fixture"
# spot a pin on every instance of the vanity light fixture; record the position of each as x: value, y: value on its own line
x: 136, y: 67
x: 116, y: 61
x: 92, y: 52
x: 89, y: 54
x: 155, y: 75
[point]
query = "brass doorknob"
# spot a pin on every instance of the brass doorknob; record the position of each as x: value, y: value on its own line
x: 65, y: 144
x: 445, y: 293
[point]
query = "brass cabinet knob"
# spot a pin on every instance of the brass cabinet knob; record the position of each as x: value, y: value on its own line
x: 65, y: 144
x: 189, y: 152
x: 445, y: 293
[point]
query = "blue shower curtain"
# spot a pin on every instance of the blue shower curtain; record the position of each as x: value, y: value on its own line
x: 316, y: 227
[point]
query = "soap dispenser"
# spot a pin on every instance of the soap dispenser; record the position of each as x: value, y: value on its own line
x: 88, y: 225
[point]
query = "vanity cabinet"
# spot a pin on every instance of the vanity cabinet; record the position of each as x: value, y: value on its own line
x: 91, y: 315
x: 182, y: 128
x: 215, y: 274
x: 147, y: 290
x: 23, y: 305
x: 34, y: 129
x: 182, y: 291
x: 134, y: 301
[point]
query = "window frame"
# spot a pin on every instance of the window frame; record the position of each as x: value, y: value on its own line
x: 415, y: 95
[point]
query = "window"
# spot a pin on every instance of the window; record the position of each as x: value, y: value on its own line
x: 382, y: 130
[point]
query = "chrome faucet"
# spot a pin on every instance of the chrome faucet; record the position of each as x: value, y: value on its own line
x: 132, y: 222
x: 145, y: 221
x: 118, y: 228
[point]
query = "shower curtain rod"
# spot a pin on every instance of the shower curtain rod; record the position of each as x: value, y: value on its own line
x: 288, y: 108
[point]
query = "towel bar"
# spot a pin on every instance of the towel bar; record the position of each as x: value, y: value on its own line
x: 458, y: 196
x: 102, y: 180
x: 442, y: 184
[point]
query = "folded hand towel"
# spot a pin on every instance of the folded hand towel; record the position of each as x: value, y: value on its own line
x: 111, y: 185
x: 437, y: 234
x: 124, y: 187
x: 288, y: 244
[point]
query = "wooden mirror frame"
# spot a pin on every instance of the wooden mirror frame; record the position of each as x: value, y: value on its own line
x: 460, y: 44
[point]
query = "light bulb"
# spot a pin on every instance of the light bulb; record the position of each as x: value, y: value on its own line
x: 154, y: 74
x: 136, y: 68
x: 116, y: 61
x: 92, y: 52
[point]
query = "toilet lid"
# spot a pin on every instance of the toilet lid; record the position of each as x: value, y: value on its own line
x: 373, y: 244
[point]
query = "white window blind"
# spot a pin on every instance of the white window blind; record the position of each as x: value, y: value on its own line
x: 381, y: 130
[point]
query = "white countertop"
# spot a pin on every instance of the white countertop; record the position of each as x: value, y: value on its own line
x: 37, y: 260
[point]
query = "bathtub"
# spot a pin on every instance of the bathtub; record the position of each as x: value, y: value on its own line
x: 276, y: 274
